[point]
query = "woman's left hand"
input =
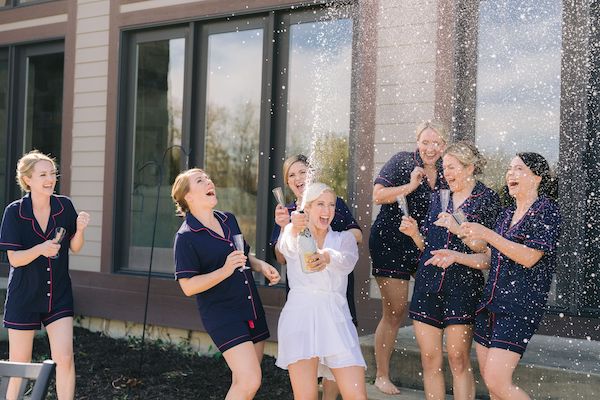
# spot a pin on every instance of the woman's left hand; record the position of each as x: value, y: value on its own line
x: 443, y: 258
x: 271, y: 274
x: 318, y: 261
x: 83, y: 219
x: 446, y: 220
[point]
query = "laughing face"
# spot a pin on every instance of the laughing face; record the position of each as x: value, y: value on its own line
x: 296, y: 178
x: 431, y: 146
x: 457, y: 175
x: 321, y: 210
x: 43, y: 178
x: 201, y: 193
x: 520, y: 179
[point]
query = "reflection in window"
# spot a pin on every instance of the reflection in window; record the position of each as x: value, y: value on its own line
x: 43, y: 104
x: 157, y: 127
x: 318, y: 117
x: 518, y: 81
x: 232, y: 122
x: 3, y: 124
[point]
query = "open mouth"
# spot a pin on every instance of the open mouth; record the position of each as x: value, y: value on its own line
x: 210, y: 193
x: 513, y: 184
x: 324, y: 220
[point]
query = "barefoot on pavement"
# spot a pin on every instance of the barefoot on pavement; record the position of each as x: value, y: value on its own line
x: 386, y: 386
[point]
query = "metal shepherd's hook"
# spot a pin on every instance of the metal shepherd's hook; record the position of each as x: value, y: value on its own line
x: 160, y: 170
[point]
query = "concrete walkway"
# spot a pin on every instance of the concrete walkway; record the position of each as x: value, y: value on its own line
x: 552, y: 368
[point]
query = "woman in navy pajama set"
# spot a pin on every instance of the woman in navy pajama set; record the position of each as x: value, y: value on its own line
x: 39, y: 286
x: 522, y: 260
x: 446, y: 294
x: 208, y: 266
x: 416, y: 175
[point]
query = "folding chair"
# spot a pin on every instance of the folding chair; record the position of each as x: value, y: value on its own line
x: 38, y: 372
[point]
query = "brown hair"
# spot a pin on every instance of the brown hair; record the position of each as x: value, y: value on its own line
x: 26, y: 164
x: 438, y: 127
x: 287, y: 164
x: 467, y: 154
x: 180, y: 188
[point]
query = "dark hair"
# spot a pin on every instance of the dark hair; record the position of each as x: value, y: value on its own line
x: 539, y: 166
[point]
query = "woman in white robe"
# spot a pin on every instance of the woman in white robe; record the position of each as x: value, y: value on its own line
x: 315, y: 332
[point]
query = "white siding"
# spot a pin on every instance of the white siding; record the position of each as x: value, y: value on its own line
x: 89, y: 123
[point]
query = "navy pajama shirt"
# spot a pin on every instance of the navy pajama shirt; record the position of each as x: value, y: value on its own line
x: 40, y: 292
x: 514, y: 297
x: 342, y: 221
x: 394, y: 254
x: 231, y: 311
x: 450, y: 296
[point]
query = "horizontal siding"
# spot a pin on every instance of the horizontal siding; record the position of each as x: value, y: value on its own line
x: 35, y: 22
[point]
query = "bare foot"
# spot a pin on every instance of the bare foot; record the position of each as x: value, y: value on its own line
x: 386, y: 386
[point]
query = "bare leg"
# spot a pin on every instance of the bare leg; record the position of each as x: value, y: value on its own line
x: 330, y: 390
x: 303, y: 376
x: 246, y: 375
x: 429, y: 339
x: 20, y: 347
x: 60, y: 335
x: 458, y: 346
x: 394, y: 296
x: 482, y: 353
x: 499, y: 368
x: 351, y: 381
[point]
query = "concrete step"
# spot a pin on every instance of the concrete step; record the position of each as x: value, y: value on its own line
x: 405, y: 394
x: 552, y: 367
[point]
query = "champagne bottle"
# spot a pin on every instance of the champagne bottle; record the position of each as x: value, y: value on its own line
x: 306, y: 248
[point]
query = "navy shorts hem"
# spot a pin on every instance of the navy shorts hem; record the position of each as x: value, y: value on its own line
x: 37, y: 318
x: 425, y: 319
x: 227, y: 336
x: 503, y: 331
x: 499, y: 344
x: 391, y: 273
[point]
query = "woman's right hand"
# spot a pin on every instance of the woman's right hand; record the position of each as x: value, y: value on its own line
x: 235, y: 260
x: 416, y: 176
x: 282, y: 216
x: 299, y: 221
x: 409, y: 226
x: 49, y: 248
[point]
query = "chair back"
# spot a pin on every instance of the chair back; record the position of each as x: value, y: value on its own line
x: 38, y: 373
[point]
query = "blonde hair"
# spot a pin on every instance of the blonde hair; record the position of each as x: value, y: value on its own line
x: 467, y: 154
x: 314, y: 190
x: 26, y: 164
x: 180, y: 188
x: 287, y: 164
x: 439, y: 128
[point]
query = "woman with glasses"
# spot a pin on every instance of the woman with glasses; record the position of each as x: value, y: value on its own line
x: 447, y: 290
x: 415, y: 176
x: 522, y: 254
x: 37, y: 232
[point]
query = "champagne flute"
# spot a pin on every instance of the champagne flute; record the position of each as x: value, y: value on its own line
x: 278, y: 193
x: 459, y: 216
x: 444, y: 199
x: 238, y: 242
x: 403, y: 204
x: 59, y: 235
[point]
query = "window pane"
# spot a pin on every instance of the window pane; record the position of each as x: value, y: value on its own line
x: 518, y: 81
x: 234, y: 78
x: 3, y: 124
x: 43, y: 103
x: 518, y: 84
x: 318, y: 117
x: 157, y: 127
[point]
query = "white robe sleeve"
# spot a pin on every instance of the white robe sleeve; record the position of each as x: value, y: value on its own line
x: 344, y: 258
x: 287, y: 243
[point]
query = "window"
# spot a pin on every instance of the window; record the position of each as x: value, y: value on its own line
x: 31, y: 97
x: 518, y: 81
x: 14, y: 3
x: 220, y: 97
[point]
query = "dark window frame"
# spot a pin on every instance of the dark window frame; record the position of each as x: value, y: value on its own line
x: 19, y: 3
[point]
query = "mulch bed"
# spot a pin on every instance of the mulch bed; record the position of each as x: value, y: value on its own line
x: 109, y: 369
